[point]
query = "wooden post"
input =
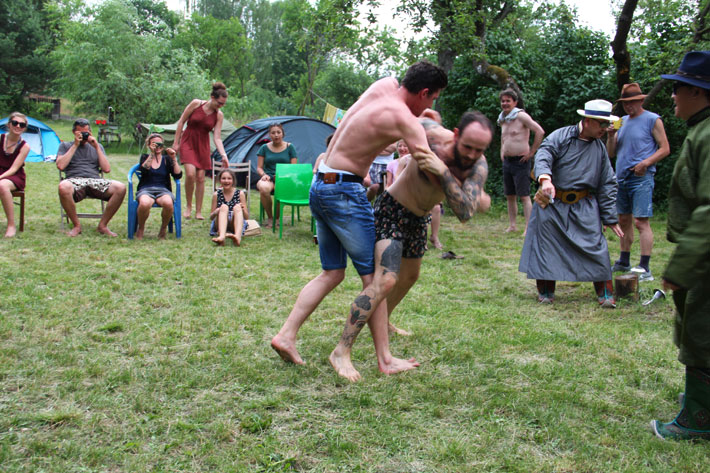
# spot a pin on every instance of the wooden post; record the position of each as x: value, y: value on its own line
x: 627, y: 285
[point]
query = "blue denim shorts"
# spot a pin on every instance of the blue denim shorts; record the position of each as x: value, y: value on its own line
x: 346, y: 225
x: 635, y: 196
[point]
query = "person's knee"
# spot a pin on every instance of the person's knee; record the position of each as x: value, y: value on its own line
x: 5, y: 187
x: 145, y: 203
x: 117, y: 188
x: 333, y: 276
x: 642, y: 224
x: 385, y: 282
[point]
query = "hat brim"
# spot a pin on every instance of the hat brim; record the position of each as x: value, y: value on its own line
x: 610, y: 118
x: 631, y: 99
x: 687, y: 80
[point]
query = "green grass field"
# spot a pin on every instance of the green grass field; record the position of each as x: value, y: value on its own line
x: 137, y: 356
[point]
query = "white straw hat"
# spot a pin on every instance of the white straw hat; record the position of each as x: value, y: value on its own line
x: 598, y: 109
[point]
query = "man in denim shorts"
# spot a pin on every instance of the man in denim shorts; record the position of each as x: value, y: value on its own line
x: 401, y: 211
x: 81, y: 160
x: 385, y: 113
x: 639, y: 144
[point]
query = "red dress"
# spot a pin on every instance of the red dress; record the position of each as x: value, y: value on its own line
x: 195, y: 141
x: 6, y: 161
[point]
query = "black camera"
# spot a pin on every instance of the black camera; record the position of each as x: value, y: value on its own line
x: 84, y: 135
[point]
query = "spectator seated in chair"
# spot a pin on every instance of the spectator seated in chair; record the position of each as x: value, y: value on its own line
x: 13, y: 151
x: 229, y: 212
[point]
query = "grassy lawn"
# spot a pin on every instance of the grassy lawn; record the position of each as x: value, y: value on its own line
x: 120, y: 355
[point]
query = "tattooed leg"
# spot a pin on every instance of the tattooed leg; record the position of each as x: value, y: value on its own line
x: 388, y: 255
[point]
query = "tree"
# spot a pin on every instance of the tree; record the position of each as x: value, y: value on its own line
x: 223, y: 47
x: 24, y: 66
x: 104, y: 62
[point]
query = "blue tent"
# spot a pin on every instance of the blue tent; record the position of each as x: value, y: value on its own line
x: 306, y: 134
x: 43, y: 141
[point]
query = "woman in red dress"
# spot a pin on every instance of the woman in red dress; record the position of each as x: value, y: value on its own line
x: 13, y: 151
x: 194, y: 143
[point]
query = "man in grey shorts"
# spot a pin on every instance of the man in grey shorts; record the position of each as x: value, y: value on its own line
x: 81, y: 161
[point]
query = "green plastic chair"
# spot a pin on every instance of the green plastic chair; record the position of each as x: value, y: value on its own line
x: 292, y: 188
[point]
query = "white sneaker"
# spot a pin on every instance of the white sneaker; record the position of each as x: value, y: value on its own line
x: 643, y: 274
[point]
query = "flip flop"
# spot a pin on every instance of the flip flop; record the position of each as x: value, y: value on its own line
x: 450, y: 255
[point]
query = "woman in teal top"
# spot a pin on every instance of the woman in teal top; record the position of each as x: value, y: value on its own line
x: 268, y: 156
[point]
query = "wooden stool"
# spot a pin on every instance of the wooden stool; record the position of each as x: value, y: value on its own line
x: 627, y: 285
x: 21, y: 203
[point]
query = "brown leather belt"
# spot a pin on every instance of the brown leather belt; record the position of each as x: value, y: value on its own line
x: 570, y: 197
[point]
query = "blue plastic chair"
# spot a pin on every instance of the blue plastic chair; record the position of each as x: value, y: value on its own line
x: 292, y: 188
x: 133, y: 206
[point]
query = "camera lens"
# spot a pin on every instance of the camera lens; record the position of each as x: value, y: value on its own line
x: 84, y: 135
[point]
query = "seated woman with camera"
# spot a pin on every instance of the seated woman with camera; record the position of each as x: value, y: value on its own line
x: 154, y: 186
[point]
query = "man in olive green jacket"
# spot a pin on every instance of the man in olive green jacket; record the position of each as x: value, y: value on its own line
x: 688, y: 271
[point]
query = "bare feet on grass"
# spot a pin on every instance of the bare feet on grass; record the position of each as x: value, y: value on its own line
x: 162, y: 233
x: 139, y: 234
x: 234, y: 239
x: 392, y: 329
x: 437, y: 244
x: 286, y: 350
x: 397, y: 365
x: 104, y: 230
x: 218, y: 241
x: 344, y: 366
x: 188, y: 212
x: 74, y: 231
x: 11, y: 232
x: 199, y: 217
x: 510, y: 229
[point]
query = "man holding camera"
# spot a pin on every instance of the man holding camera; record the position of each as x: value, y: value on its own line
x: 81, y: 161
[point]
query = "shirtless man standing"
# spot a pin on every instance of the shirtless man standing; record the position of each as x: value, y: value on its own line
x: 515, y: 153
x: 385, y: 113
x: 401, y: 212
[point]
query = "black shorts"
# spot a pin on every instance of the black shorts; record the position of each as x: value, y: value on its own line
x: 516, y: 176
x: 394, y: 222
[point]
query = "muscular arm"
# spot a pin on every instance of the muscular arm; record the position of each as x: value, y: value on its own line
x: 465, y: 200
x: 664, y: 149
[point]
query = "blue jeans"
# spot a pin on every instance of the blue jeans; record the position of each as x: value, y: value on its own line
x: 345, y: 224
x: 635, y: 196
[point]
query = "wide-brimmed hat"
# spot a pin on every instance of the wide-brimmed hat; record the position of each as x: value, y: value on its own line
x: 598, y: 109
x: 693, y: 70
x: 630, y: 92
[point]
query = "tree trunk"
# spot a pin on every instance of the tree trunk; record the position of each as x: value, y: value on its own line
x: 621, y: 56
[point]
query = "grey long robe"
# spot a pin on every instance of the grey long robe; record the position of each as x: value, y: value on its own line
x: 565, y: 242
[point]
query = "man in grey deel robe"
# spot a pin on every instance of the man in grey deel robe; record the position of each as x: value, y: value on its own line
x: 577, y: 197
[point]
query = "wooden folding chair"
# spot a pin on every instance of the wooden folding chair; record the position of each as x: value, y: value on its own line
x: 63, y: 216
x: 21, y: 203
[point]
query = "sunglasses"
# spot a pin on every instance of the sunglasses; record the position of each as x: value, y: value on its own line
x: 20, y: 124
x: 678, y: 85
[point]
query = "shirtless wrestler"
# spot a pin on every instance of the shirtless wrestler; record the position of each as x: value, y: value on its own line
x: 385, y: 113
x: 401, y: 212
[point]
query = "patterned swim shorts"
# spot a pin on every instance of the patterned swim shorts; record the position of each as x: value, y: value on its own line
x: 394, y: 222
x: 89, y: 187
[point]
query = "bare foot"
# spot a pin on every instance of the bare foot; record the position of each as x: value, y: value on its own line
x: 392, y: 329
x: 139, y: 234
x: 161, y: 234
x: 11, y: 232
x: 510, y: 229
x: 397, y: 365
x: 105, y: 231
x: 286, y: 350
x: 199, y: 217
x: 186, y: 214
x: 267, y: 223
x: 74, y: 231
x: 344, y: 367
x: 218, y: 241
x: 234, y: 239
x: 437, y: 244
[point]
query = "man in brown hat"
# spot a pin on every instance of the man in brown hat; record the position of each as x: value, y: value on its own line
x: 638, y: 145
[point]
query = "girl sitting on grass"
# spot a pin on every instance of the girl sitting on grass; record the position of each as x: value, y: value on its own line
x: 229, y: 211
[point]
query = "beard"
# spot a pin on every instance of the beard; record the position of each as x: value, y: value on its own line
x: 459, y: 160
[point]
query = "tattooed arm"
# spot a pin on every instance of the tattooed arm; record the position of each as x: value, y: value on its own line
x: 469, y: 198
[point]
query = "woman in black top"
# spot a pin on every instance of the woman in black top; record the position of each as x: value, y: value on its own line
x: 229, y: 211
x: 154, y: 185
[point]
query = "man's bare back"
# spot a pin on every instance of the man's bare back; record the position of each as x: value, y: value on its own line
x: 379, y: 117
